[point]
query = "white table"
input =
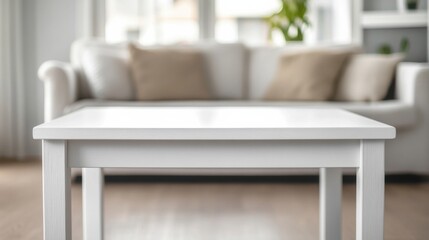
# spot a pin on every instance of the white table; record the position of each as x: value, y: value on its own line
x: 229, y: 137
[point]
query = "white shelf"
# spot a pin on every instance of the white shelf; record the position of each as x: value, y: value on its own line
x: 385, y: 19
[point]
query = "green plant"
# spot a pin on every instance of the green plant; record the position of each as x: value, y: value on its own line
x: 290, y: 20
x: 404, y: 46
x: 387, y: 49
x: 412, y: 4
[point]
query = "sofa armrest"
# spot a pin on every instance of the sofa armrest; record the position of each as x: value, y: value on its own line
x: 60, y: 83
x: 412, y: 83
x: 412, y: 87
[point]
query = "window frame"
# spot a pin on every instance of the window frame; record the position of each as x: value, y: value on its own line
x: 91, y: 18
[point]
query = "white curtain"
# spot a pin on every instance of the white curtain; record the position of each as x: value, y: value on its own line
x: 12, y: 119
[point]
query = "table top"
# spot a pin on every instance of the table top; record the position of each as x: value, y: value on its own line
x: 211, y: 123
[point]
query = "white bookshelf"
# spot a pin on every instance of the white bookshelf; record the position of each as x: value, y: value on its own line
x: 394, y: 19
x: 398, y: 19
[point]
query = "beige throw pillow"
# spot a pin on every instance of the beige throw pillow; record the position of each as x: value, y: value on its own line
x: 367, y: 77
x: 307, y: 76
x: 168, y: 74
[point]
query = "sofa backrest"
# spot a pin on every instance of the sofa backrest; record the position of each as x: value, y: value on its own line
x: 235, y: 72
x: 263, y: 63
x: 226, y: 65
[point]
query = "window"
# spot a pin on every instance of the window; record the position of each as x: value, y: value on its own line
x: 331, y: 21
x: 243, y: 20
x: 186, y: 21
x: 152, y: 21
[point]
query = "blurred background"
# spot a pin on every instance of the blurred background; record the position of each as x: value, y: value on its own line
x: 46, y: 28
x: 34, y: 31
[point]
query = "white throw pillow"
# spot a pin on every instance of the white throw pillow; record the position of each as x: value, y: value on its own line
x: 108, y: 75
x: 367, y: 77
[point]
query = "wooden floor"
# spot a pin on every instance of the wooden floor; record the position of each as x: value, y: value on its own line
x: 227, y: 211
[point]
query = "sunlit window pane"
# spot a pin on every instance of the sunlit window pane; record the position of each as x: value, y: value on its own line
x: 331, y: 21
x: 152, y: 21
x: 242, y: 20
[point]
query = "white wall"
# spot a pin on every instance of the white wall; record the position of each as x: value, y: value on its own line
x: 49, y: 28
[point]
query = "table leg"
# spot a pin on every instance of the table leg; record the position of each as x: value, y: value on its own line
x: 370, y: 191
x: 56, y: 191
x: 330, y: 203
x: 92, y: 183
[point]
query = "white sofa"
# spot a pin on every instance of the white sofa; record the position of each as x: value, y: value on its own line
x: 240, y: 75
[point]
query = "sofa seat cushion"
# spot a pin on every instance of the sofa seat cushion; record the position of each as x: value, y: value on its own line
x: 392, y: 112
